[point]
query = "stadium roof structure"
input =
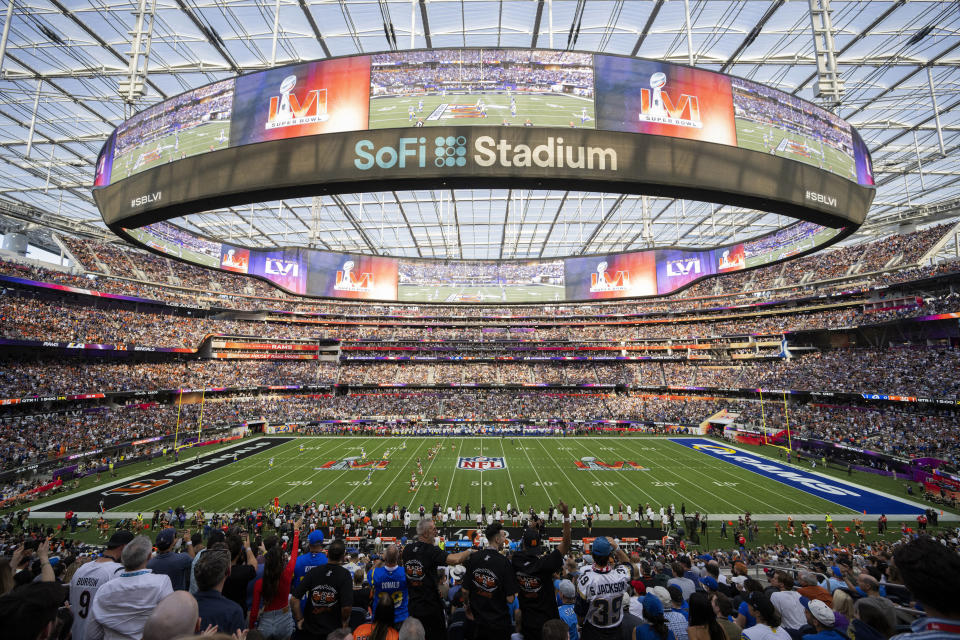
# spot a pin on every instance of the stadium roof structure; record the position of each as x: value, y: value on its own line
x: 72, y: 70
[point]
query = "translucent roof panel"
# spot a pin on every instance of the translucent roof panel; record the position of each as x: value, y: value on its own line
x: 65, y: 61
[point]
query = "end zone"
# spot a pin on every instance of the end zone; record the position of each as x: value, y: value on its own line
x: 852, y: 496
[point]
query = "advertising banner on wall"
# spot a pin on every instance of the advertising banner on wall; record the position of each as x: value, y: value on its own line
x: 343, y: 275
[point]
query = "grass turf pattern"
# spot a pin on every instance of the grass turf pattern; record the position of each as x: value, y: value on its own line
x: 671, y: 473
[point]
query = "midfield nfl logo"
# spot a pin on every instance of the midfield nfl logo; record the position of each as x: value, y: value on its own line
x: 482, y: 463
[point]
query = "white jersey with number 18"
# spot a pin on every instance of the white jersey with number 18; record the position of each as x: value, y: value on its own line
x: 602, y: 595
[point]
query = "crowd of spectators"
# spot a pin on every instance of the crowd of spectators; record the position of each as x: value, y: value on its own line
x: 23, y: 379
x: 174, y: 281
x: 893, y: 431
x: 29, y: 439
x: 39, y: 319
x: 478, y: 70
x: 214, y: 575
x: 176, y: 115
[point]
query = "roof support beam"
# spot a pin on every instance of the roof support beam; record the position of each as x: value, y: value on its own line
x: 646, y: 27
x: 506, y: 218
x: 212, y: 38
x: 348, y: 214
x: 313, y: 25
x: 456, y: 221
x: 904, y: 79
x: 546, y: 238
x: 406, y: 221
x: 426, y: 24
x: 103, y: 43
x: 870, y: 27
x: 536, y: 24
x: 603, y: 222
x: 757, y: 28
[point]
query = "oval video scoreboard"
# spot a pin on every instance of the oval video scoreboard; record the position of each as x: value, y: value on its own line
x: 498, y: 118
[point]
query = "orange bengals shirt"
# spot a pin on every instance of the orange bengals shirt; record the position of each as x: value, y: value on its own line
x: 365, y: 632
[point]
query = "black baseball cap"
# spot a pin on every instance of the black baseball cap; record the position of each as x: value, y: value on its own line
x: 119, y: 539
x: 531, y: 538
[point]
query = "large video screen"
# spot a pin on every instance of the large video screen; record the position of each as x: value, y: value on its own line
x: 190, y: 124
x: 312, y: 272
x: 303, y: 100
x: 509, y: 87
x: 174, y: 241
x: 644, y: 96
x: 677, y: 268
x: 340, y: 275
x: 283, y: 267
x: 481, y: 281
x: 786, y: 242
x: 619, y: 275
x: 780, y: 124
x: 502, y: 87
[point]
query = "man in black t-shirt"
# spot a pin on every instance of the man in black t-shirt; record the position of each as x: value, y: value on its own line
x: 534, y: 574
x: 489, y: 588
x: 420, y: 561
x: 330, y: 589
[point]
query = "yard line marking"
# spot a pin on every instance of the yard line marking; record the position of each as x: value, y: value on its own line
x: 510, y: 477
x: 573, y: 484
x: 446, y: 502
x: 803, y: 506
x: 627, y: 478
x: 684, y: 497
x: 410, y: 459
x: 296, y: 469
x: 427, y: 472
x: 202, y: 487
x: 537, y: 473
x: 333, y: 480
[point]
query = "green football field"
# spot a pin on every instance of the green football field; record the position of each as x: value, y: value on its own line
x: 543, y: 110
x: 756, y: 136
x: 468, y: 293
x: 203, y: 138
x: 669, y: 473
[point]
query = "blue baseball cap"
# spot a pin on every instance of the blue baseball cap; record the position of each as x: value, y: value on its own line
x: 601, y: 547
x: 652, y: 605
x: 316, y: 536
x: 710, y: 583
x: 165, y: 538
